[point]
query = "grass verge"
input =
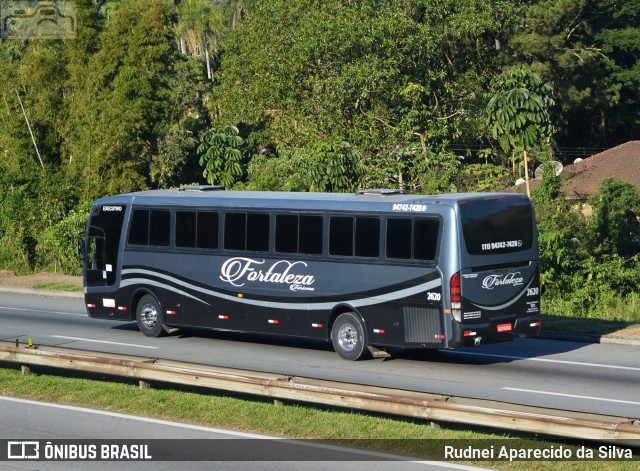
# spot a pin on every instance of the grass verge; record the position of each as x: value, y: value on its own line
x: 248, y: 414
x: 57, y: 286
x: 582, y: 325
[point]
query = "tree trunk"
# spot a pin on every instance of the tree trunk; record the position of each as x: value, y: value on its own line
x: 206, y: 55
x: 526, y: 173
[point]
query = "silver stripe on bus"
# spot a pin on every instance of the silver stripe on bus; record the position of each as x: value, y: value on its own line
x: 370, y: 301
x: 135, y: 281
x: 507, y: 304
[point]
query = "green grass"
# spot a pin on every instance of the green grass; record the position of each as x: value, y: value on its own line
x: 609, y: 315
x: 57, y: 286
x: 607, y: 307
x: 217, y: 409
x: 553, y: 323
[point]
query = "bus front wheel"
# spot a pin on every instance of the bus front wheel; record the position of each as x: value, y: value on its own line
x: 348, y: 337
x: 149, y: 317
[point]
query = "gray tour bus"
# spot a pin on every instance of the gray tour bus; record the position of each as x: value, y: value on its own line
x: 369, y: 271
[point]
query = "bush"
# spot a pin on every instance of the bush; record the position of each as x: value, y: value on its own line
x: 590, y: 267
x: 57, y: 245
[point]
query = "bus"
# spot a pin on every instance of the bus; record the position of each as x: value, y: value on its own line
x: 368, y: 272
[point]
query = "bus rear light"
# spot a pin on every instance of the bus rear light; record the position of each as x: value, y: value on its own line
x: 316, y: 326
x: 470, y: 333
x: 171, y: 313
x: 455, y: 288
x: 440, y: 337
x: 535, y: 324
x: 456, y: 297
x: 273, y: 321
x: 224, y: 318
x: 122, y: 308
x: 378, y: 331
x: 92, y: 306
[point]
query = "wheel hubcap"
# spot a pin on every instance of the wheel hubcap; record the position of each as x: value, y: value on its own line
x: 149, y: 316
x: 348, y: 337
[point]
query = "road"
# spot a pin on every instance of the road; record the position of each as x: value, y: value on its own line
x: 168, y: 443
x: 593, y: 378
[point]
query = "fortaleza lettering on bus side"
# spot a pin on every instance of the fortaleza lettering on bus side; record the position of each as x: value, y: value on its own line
x: 238, y: 270
x: 504, y: 452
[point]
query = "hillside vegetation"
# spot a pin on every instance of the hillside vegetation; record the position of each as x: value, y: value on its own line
x: 328, y: 96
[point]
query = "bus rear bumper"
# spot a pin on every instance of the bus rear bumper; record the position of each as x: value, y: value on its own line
x: 502, y: 330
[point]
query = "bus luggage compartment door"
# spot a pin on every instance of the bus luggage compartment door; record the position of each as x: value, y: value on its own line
x: 501, y: 303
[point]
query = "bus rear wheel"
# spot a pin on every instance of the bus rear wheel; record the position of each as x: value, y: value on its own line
x: 149, y: 317
x: 348, y: 337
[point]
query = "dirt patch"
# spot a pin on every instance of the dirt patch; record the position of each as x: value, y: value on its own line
x: 29, y: 281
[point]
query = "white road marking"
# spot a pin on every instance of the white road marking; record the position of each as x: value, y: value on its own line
x: 543, y: 360
x: 572, y: 396
x: 40, y: 310
x: 202, y: 428
x: 80, y: 339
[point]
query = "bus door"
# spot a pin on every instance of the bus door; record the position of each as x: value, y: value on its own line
x: 102, y: 245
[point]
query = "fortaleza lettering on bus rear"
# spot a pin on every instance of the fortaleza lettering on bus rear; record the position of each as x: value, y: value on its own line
x: 237, y: 271
x: 516, y: 453
x: 492, y: 281
x: 112, y: 208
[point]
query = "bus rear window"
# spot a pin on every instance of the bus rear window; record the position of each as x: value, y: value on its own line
x: 497, y: 225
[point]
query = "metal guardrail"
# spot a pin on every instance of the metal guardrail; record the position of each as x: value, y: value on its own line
x: 426, y: 406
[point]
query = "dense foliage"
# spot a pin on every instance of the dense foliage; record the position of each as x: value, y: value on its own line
x: 590, y: 265
x: 324, y: 96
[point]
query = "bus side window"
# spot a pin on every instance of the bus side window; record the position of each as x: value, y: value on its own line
x: 310, y: 236
x: 425, y: 238
x: 186, y: 229
x: 367, y: 237
x: 286, y: 233
x: 258, y: 232
x: 341, y: 235
x: 207, y: 230
x: 235, y: 231
x: 399, y: 238
x: 95, y: 253
x: 160, y: 228
x: 139, y: 230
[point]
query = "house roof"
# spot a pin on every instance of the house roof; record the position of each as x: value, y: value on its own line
x: 582, y: 179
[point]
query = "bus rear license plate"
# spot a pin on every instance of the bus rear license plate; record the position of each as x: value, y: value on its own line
x: 504, y: 327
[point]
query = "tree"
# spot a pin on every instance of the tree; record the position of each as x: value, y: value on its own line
x: 518, y: 112
x: 199, y: 28
x: 373, y: 74
x: 173, y: 153
x: 131, y: 92
x: 588, y: 50
x: 334, y: 166
x: 616, y: 208
x: 221, y: 155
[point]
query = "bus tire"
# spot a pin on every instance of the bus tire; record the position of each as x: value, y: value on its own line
x: 149, y: 317
x: 349, y: 338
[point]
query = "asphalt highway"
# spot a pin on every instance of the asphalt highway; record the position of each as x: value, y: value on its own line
x: 595, y: 378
